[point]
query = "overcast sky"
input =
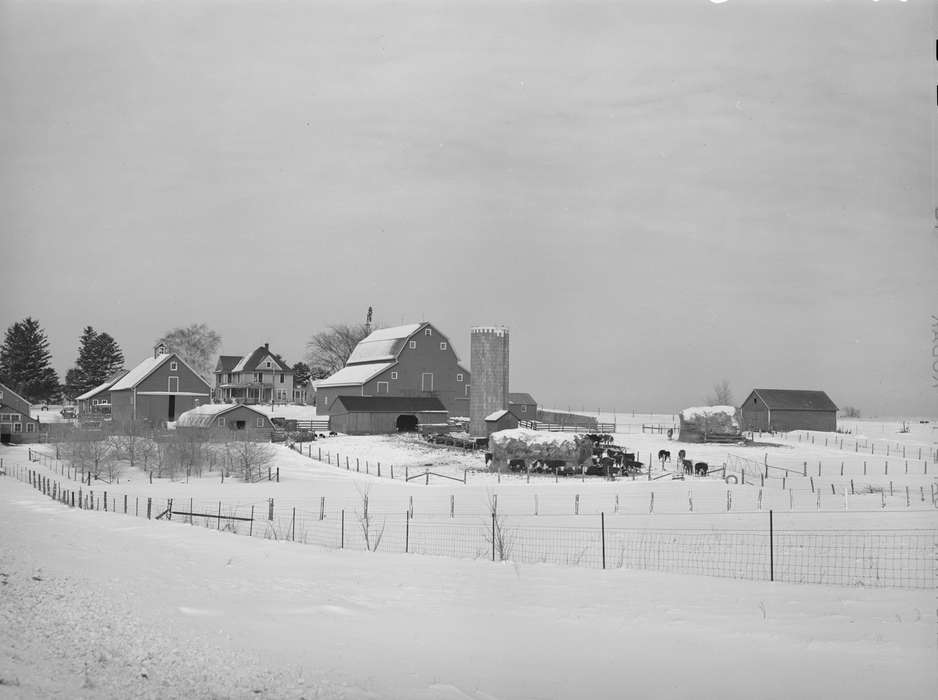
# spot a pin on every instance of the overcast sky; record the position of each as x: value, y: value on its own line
x: 651, y: 195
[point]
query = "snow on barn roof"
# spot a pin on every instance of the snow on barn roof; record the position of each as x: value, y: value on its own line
x: 383, y: 344
x: 355, y: 374
x: 796, y: 399
x: 521, y: 397
x: 696, y: 412
x: 497, y: 415
x: 140, y: 372
x: 106, y: 384
x: 204, y: 416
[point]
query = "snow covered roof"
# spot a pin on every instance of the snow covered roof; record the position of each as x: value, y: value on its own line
x: 105, y: 385
x: 141, y: 372
x: 534, y: 437
x: 250, y: 363
x: 383, y: 345
x: 521, y: 397
x: 355, y: 374
x: 204, y: 416
x: 796, y: 399
x: 696, y: 412
x: 496, y: 415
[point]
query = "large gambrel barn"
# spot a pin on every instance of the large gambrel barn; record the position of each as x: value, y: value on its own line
x: 780, y: 410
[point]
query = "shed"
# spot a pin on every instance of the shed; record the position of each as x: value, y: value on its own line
x: 522, y: 405
x: 781, y: 410
x: 376, y: 415
x: 500, y: 420
x: 223, y: 419
x: 709, y: 424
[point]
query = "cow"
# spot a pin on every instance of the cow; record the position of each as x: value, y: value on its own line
x: 688, y: 466
x: 664, y: 456
x: 701, y: 468
x: 682, y: 455
x: 488, y: 459
x: 332, y: 433
x: 530, y: 445
x: 516, y: 465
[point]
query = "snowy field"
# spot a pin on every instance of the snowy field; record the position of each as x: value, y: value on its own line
x: 99, y: 606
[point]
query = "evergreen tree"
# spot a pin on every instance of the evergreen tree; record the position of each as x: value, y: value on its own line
x: 300, y: 374
x: 109, y: 355
x: 99, y: 356
x: 25, y: 362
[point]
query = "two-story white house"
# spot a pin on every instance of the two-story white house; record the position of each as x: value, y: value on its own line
x: 256, y: 378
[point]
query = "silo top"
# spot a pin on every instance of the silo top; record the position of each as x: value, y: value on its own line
x: 497, y: 330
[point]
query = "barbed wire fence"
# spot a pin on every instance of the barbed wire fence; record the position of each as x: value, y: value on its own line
x: 750, y: 547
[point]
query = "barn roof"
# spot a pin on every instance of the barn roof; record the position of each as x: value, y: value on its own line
x: 498, y: 415
x: 796, y: 399
x: 383, y: 345
x: 146, y: 368
x: 521, y: 397
x: 391, y: 404
x: 104, y: 386
x: 355, y: 374
x: 203, y: 416
x: 226, y: 363
x: 4, y: 390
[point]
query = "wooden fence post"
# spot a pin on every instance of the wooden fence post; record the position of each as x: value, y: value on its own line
x: 452, y: 505
x: 406, y: 531
x: 149, y: 507
x: 342, y: 527
x: 602, y: 528
x: 651, y: 503
x: 576, y: 504
x: 293, y: 525
x: 270, y: 509
x: 322, y: 507
x: 690, y: 500
x: 251, y: 526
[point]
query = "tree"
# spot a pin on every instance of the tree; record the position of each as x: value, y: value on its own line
x: 721, y: 396
x: 329, y: 350
x: 99, y: 356
x: 851, y: 412
x: 300, y: 373
x: 25, y: 362
x: 197, y: 345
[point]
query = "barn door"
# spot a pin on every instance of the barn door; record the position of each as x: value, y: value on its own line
x: 173, y: 387
x: 172, y: 408
x: 426, y: 381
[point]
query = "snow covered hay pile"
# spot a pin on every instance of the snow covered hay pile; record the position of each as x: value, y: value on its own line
x: 531, y: 445
x: 710, y: 424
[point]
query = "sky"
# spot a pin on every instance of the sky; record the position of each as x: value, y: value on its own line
x: 651, y: 196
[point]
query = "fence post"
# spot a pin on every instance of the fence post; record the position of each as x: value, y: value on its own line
x: 908, y: 500
x: 760, y: 499
x: 805, y: 469
x: 651, y: 503
x: 278, y: 475
x: 251, y: 526
x: 149, y: 505
x: 617, y: 503
x: 493, y: 535
x: 270, y: 509
x: 729, y: 500
x: 426, y: 473
x: 690, y: 500
x: 452, y: 505
x: 322, y: 507
x: 293, y: 525
x: 125, y: 504
x: 410, y: 505
x: 602, y: 527
x: 771, y: 548
x: 833, y: 491
x: 891, y: 491
x: 342, y: 527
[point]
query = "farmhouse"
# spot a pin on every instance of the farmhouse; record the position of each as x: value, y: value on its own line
x: 257, y: 378
x: 157, y: 390
x: 414, y: 360
x: 97, y: 401
x: 223, y: 420
x: 372, y: 415
x: 788, y: 409
x: 16, y: 424
x: 522, y: 405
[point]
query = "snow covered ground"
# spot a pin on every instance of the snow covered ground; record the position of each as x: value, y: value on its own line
x: 102, y: 606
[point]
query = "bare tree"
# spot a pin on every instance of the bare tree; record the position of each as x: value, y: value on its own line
x: 499, y: 536
x: 372, y: 532
x: 329, y: 350
x: 249, y: 458
x: 722, y: 395
x: 197, y: 345
x: 851, y: 412
x: 127, y: 440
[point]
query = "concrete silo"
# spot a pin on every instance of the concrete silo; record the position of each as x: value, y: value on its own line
x: 488, y: 367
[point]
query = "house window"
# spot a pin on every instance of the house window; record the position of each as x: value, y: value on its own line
x: 442, y: 346
x: 382, y: 387
x: 428, y: 332
x: 459, y: 377
x: 173, y: 385
x: 221, y: 422
x: 94, y: 402
x: 467, y: 390
x: 30, y: 427
x: 17, y: 427
x: 260, y: 422
x: 393, y: 375
x: 258, y: 377
x: 281, y: 379
x: 267, y: 364
x: 240, y: 425
x: 282, y: 395
x: 173, y: 366
x: 412, y: 344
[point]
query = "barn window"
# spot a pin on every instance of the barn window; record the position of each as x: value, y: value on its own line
x: 524, y: 408
x: 383, y: 387
x: 442, y: 346
x: 393, y: 375
x: 221, y: 422
x: 260, y: 422
x: 412, y: 345
x: 459, y: 377
x: 428, y: 332
x: 467, y: 390
x: 173, y: 366
x: 240, y: 424
x: 755, y: 401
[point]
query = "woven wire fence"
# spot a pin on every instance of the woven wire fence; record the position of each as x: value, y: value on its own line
x: 744, y: 549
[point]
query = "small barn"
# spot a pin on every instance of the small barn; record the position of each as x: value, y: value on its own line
x: 225, y: 419
x: 522, y: 405
x: 500, y: 420
x: 377, y: 415
x: 781, y: 410
x: 709, y: 424
x: 16, y: 422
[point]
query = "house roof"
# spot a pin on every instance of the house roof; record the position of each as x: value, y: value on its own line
x: 146, y: 368
x: 390, y: 404
x: 384, y: 344
x: 7, y: 390
x: 796, y: 399
x: 226, y: 363
x: 355, y: 374
x: 203, y: 416
x: 250, y: 363
x: 104, y: 386
x: 521, y: 398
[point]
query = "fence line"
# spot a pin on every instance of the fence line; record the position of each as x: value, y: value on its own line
x: 892, y: 558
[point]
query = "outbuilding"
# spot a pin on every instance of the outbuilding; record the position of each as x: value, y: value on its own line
x: 227, y: 420
x: 500, y: 420
x: 522, y: 405
x: 781, y: 410
x: 377, y: 415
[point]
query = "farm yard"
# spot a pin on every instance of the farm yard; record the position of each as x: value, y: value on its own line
x: 684, y: 555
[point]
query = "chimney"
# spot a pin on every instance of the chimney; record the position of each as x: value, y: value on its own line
x: 267, y: 346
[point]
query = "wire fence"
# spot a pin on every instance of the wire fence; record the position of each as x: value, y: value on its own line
x: 748, y: 546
